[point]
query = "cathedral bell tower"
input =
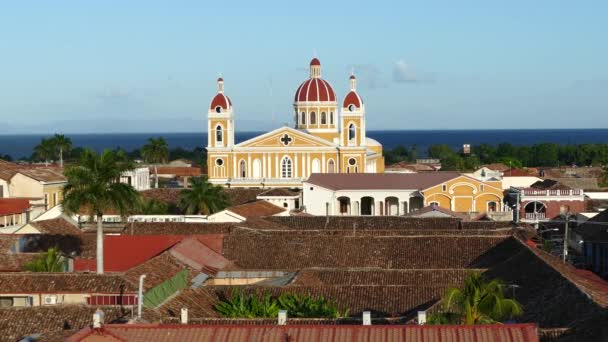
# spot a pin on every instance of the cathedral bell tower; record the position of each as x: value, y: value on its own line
x: 352, y: 118
x: 220, y: 120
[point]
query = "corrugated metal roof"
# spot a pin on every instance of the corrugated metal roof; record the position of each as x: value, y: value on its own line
x: 304, y: 333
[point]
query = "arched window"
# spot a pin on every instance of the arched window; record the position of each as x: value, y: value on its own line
x: 331, y: 166
x: 313, y: 118
x: 243, y: 169
x: 219, y: 134
x: 316, y: 166
x: 323, y: 118
x: 492, y: 206
x: 286, y: 167
x: 331, y: 118
x: 351, y: 132
x: 303, y: 118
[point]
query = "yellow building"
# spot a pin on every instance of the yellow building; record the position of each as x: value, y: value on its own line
x: 322, y: 140
x: 465, y: 194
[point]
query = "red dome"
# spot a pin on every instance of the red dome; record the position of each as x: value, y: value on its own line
x: 352, y: 98
x: 315, y: 61
x: 315, y: 90
x: 220, y: 100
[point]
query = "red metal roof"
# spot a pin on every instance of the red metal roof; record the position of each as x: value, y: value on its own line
x: 122, y: 252
x: 315, y: 61
x: 352, y: 98
x: 305, y: 333
x: 222, y: 101
x: 199, y: 256
x: 313, y: 90
x: 10, y: 206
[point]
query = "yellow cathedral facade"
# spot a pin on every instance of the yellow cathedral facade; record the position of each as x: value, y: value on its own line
x: 324, y: 139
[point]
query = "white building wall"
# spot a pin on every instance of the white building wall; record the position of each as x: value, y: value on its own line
x: 318, y: 200
x: 4, y: 189
x: 518, y: 182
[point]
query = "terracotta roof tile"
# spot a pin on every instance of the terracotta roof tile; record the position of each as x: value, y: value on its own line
x: 57, y: 226
x: 44, y: 174
x: 259, y: 208
x: 280, y: 192
x: 55, y: 323
x: 379, y: 181
x: 176, y: 228
x: 330, y: 333
x: 27, y: 282
x: 178, y: 171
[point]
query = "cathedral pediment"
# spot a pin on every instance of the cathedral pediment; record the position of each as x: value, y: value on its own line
x: 286, y: 137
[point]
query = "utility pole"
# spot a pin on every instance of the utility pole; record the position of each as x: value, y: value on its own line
x: 565, y: 256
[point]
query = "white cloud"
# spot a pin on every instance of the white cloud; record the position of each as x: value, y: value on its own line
x: 404, y: 73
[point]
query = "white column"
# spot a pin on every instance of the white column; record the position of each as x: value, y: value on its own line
x: 308, y: 160
x: 269, y: 165
x: 295, y: 164
x: 264, y: 165
x: 234, y: 166
x: 249, y: 174
x: 277, y: 166
x: 323, y: 166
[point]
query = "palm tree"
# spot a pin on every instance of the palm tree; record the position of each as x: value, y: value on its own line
x: 93, y: 183
x: 61, y: 144
x: 202, y: 197
x: 479, y: 302
x: 45, y: 150
x: 50, y: 261
x: 155, y: 151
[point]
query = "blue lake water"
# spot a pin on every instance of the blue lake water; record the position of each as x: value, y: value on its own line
x: 22, y: 145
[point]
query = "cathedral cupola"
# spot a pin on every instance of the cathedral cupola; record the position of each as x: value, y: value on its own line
x: 220, y: 102
x: 352, y: 101
x: 315, y: 68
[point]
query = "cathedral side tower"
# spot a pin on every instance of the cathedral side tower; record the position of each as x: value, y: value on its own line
x: 352, y: 118
x: 220, y: 120
x: 315, y: 106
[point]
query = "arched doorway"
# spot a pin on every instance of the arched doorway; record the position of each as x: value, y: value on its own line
x: 344, y: 205
x: 367, y: 206
x: 416, y: 203
x: 391, y: 206
x: 535, y: 211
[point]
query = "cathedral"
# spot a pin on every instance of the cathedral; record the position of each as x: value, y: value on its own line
x: 322, y: 140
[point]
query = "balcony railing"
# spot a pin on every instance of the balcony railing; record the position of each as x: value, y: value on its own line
x: 556, y: 192
x: 535, y: 216
x: 267, y: 180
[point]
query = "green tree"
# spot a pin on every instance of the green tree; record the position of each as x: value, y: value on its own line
x: 93, y: 183
x: 49, y: 261
x: 155, y: 151
x: 202, y: 197
x: 546, y: 154
x: 478, y: 302
x: 61, y: 144
x: 241, y: 305
x: 440, y: 151
x: 45, y: 151
x: 511, y: 162
x: 452, y: 162
x: 153, y: 207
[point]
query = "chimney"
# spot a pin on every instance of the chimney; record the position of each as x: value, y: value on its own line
x: 421, y: 317
x: 282, y: 317
x: 184, y: 316
x: 140, y: 296
x: 98, y: 319
x: 367, y: 318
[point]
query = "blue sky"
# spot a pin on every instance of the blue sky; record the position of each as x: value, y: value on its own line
x: 150, y: 66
